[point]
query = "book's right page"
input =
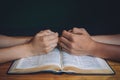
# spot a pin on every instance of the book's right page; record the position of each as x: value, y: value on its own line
x: 85, y: 64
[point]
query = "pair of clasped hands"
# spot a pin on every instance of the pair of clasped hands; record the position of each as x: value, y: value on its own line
x: 75, y: 41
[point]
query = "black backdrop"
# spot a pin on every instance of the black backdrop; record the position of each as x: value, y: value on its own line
x: 27, y: 17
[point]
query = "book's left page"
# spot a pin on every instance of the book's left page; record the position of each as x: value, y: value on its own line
x: 50, y: 61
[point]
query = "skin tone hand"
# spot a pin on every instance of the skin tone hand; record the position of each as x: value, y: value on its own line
x: 107, y: 39
x: 76, y: 43
x: 44, y: 42
x: 8, y: 41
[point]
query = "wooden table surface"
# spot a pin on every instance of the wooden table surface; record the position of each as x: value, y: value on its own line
x: 50, y: 76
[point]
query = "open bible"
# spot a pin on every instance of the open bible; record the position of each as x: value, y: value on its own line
x: 61, y: 62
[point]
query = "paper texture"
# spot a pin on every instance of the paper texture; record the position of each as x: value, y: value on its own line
x: 52, y: 58
x: 83, y: 62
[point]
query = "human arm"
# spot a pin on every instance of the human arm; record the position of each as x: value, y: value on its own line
x: 109, y: 39
x: 42, y: 43
x: 79, y: 42
x: 14, y: 52
x: 7, y: 41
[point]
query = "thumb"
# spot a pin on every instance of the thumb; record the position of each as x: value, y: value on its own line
x: 79, y: 31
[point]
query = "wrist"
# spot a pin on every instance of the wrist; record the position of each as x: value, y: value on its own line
x: 93, y: 48
x: 29, y: 48
x: 28, y: 39
x: 25, y: 50
x: 22, y: 39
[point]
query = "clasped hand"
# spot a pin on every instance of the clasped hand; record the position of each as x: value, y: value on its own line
x: 76, y: 41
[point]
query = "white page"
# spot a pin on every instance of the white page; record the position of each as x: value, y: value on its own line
x: 28, y: 62
x: 51, y: 58
x: 83, y: 62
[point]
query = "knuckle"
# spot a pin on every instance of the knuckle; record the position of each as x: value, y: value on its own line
x: 82, y: 29
x: 44, y: 38
x: 45, y: 44
x: 71, y: 35
x: 74, y: 28
x: 71, y: 45
x: 37, y: 35
x: 48, y: 30
x: 73, y: 38
x: 43, y: 41
x: 41, y: 38
x: 46, y: 50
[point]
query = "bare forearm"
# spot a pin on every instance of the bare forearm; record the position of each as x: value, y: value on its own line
x: 107, y: 51
x: 7, y: 41
x: 108, y: 46
x: 109, y: 39
x: 12, y: 53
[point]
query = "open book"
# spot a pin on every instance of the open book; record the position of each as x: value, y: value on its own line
x: 60, y: 61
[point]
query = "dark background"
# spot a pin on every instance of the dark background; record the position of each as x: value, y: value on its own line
x: 27, y: 17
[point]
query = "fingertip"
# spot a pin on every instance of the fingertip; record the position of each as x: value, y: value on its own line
x: 48, y: 30
x: 70, y: 30
x: 79, y: 30
x: 64, y: 31
x: 75, y: 28
x: 83, y: 29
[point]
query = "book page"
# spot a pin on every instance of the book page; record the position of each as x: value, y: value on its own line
x: 84, y: 62
x: 52, y: 58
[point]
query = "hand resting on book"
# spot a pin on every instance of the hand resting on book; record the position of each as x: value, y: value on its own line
x: 44, y: 42
x: 13, y: 48
x: 78, y: 42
